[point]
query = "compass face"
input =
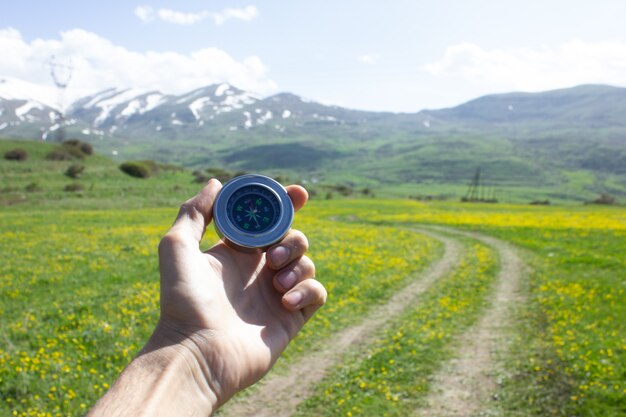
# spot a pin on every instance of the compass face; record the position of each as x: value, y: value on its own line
x: 252, y: 212
x: 253, y: 209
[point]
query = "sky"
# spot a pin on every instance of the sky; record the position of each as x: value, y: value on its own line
x: 391, y: 55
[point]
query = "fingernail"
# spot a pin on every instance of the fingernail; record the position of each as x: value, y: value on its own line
x: 293, y: 298
x: 279, y: 255
x: 287, y: 279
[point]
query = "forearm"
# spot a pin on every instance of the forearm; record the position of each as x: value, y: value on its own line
x: 165, y: 379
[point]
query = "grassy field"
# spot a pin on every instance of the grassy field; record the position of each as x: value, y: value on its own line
x: 571, y: 349
x: 79, y: 294
x: 392, y: 377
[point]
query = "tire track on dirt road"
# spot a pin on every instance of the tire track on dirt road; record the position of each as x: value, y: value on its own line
x: 464, y: 385
x: 278, y: 395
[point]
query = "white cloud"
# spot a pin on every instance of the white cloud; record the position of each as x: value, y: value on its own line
x: 147, y: 14
x: 98, y: 64
x: 180, y: 18
x: 144, y: 13
x: 574, y: 62
x: 246, y: 14
x: 368, y: 59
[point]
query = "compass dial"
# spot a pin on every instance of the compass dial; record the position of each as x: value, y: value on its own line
x: 253, y: 209
x: 252, y: 212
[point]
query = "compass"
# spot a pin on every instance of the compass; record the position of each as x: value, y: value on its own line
x: 252, y: 212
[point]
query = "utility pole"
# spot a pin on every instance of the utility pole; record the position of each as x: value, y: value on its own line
x: 474, y: 188
x: 61, y: 75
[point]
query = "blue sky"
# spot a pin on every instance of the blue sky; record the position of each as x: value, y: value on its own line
x: 389, y: 55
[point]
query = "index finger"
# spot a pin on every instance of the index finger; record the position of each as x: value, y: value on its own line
x: 299, y: 196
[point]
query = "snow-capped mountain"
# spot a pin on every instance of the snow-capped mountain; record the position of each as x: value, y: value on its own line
x: 29, y: 110
x: 24, y: 103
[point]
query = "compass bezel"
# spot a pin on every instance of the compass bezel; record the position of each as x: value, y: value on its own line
x: 237, y: 238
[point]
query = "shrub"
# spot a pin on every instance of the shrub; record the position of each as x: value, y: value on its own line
x: 136, y: 169
x: 153, y: 167
x: 32, y: 187
x: 74, y: 170
x: 84, y: 147
x: 219, y: 173
x: 74, y: 187
x: 344, y: 190
x: 64, y: 154
x: 223, y: 175
x: 201, y: 177
x: 69, y: 150
x: 604, y: 198
x: 18, y: 154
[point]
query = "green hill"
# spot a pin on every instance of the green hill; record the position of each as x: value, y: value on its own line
x: 39, y: 182
x: 567, y: 144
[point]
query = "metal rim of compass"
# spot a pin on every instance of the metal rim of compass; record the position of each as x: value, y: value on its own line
x: 239, y: 239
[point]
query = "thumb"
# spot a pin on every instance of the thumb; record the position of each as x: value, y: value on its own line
x: 196, y: 213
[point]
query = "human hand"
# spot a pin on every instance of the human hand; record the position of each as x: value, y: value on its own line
x: 233, y: 313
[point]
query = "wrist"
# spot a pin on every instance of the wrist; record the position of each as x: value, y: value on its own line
x: 166, y: 378
x: 183, y: 356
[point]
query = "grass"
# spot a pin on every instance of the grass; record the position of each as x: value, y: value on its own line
x: 391, y: 377
x: 37, y: 181
x: 78, y: 290
x: 571, y: 350
x: 573, y: 362
x: 79, y: 293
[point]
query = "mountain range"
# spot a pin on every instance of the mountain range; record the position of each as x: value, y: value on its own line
x: 572, y: 139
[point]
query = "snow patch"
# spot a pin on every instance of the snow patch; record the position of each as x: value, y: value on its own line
x: 21, y: 111
x: 267, y: 116
x: 198, y: 105
x: 286, y: 114
x: 248, y: 123
x: 426, y: 123
x: 111, y: 100
x: 142, y: 105
x: 3, y: 125
x: 133, y: 107
x: 232, y: 102
x: 221, y: 89
x: 224, y: 109
x: 177, y: 122
x: 153, y: 101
